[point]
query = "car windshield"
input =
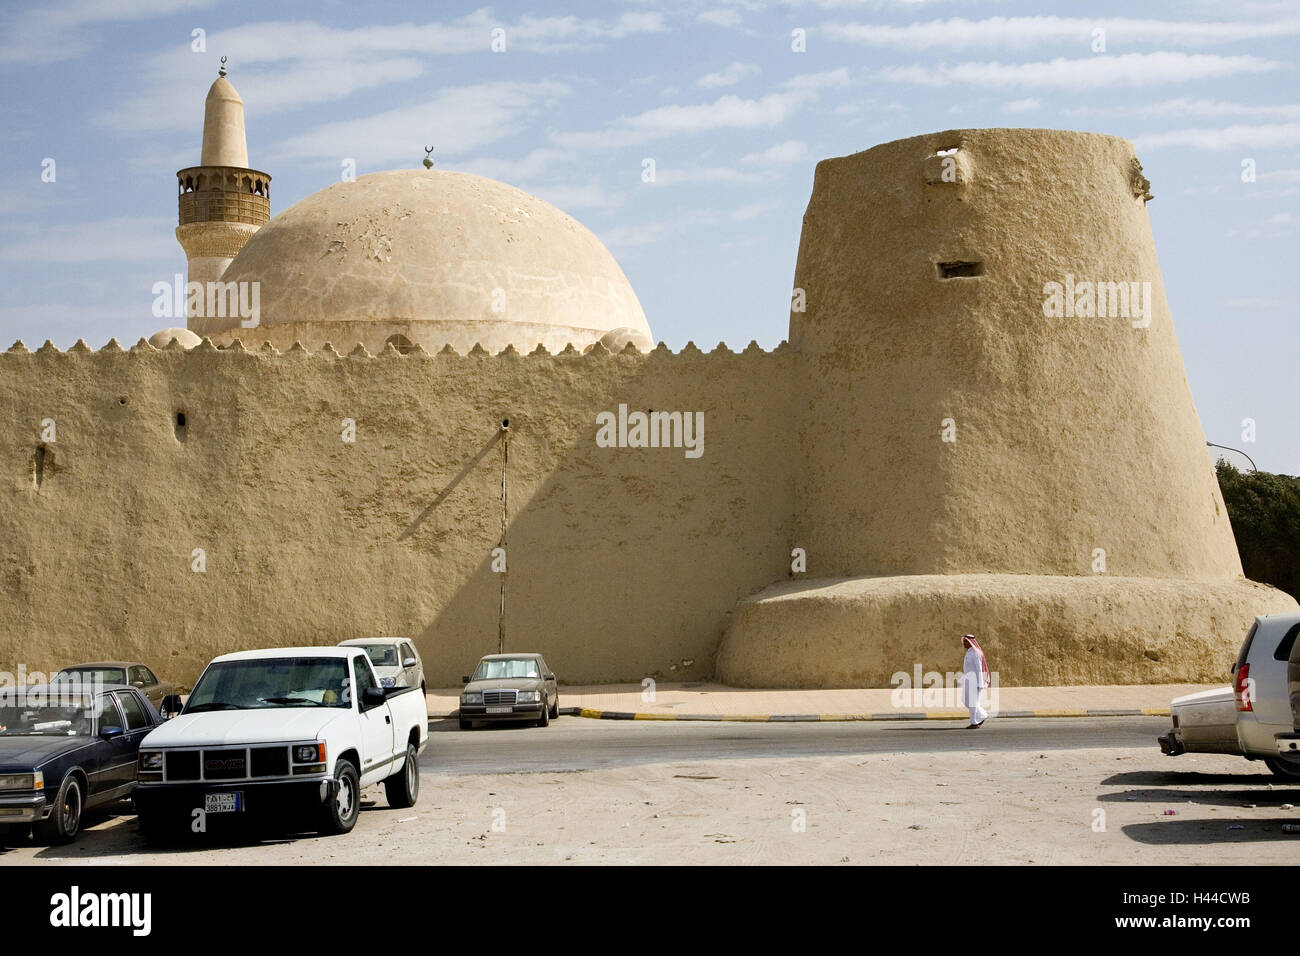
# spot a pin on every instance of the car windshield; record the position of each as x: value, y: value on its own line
x: 98, y: 675
x: 509, y: 667
x: 381, y: 655
x: 35, y: 716
x: 272, y: 682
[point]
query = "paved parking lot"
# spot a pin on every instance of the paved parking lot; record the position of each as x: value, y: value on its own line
x: 1016, y: 791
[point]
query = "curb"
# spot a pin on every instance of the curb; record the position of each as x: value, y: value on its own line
x: 888, y: 716
x: 832, y: 718
x: 593, y: 714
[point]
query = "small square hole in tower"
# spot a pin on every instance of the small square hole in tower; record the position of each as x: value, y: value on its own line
x: 180, y: 425
x: 960, y: 270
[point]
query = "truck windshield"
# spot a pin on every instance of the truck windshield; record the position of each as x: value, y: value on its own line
x: 272, y: 682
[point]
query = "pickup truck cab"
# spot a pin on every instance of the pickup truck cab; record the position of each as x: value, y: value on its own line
x: 293, y: 732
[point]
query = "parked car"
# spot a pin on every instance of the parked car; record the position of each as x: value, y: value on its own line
x: 133, y: 673
x: 1287, y: 741
x: 395, y: 660
x: 518, y: 687
x: 289, y: 732
x: 1246, y: 717
x: 63, y: 752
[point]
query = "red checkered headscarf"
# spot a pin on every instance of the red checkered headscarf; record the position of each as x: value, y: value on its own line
x: 969, y: 640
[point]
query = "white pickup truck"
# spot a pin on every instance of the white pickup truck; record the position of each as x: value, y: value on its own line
x: 294, y: 732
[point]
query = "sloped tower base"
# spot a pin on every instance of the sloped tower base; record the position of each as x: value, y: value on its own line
x: 1037, y: 629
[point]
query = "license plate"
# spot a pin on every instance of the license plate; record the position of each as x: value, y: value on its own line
x: 223, y: 802
x: 499, y: 710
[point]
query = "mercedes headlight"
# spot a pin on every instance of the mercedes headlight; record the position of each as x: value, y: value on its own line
x: 472, y: 697
x: 528, y: 697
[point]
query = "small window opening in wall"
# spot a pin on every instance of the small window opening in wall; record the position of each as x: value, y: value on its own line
x: 505, y: 424
x: 180, y: 426
x: 40, y: 461
x: 960, y: 270
x: 121, y: 400
x: 401, y: 343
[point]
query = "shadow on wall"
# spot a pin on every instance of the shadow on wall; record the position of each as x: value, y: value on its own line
x: 621, y: 563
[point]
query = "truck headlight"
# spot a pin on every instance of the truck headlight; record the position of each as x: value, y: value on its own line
x: 309, y: 753
x: 151, y: 761
x: 473, y: 697
x: 22, y: 781
x: 527, y: 697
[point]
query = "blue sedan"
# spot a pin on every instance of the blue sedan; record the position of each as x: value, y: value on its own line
x: 65, y: 749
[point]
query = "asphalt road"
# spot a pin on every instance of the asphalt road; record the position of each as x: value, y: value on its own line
x: 578, y: 743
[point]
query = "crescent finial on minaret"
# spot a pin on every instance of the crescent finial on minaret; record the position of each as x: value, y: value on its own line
x: 222, y: 71
x: 428, y: 161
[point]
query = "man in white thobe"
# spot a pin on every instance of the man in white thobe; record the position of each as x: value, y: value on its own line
x: 974, y: 679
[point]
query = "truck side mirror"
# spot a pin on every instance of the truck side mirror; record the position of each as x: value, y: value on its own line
x: 171, y: 705
x: 372, y: 697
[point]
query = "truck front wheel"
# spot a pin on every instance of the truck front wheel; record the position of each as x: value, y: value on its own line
x: 403, y: 787
x: 339, y: 814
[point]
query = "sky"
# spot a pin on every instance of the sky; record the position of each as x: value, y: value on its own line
x: 734, y: 102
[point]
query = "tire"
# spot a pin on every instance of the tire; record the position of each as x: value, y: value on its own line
x: 339, y: 815
x: 1283, y: 768
x: 555, y: 707
x: 546, y: 715
x: 403, y: 788
x: 64, y: 821
x: 466, y: 724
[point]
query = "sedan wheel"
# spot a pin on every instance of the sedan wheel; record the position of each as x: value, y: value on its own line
x: 1283, y: 768
x: 64, y: 821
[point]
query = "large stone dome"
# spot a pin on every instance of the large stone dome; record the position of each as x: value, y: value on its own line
x: 429, y: 258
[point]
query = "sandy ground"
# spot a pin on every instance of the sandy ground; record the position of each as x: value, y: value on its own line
x: 947, y: 808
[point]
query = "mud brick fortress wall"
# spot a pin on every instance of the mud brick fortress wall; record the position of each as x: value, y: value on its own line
x: 922, y: 268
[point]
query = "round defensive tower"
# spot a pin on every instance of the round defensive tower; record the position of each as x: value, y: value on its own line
x: 998, y: 432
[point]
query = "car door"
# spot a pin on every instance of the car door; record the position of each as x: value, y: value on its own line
x: 552, y: 688
x: 114, y: 759
x: 376, y: 722
x: 139, y: 721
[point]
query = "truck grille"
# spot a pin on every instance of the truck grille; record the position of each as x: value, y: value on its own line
x: 495, y: 698
x: 225, y: 764
x: 183, y: 765
x: 228, y: 763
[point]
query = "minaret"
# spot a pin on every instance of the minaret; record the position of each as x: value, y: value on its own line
x: 222, y: 201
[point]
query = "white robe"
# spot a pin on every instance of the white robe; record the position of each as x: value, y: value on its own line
x: 973, y: 680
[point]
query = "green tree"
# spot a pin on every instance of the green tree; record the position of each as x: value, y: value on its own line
x: 1265, y: 513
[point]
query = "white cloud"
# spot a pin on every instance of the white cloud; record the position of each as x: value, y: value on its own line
x: 958, y: 33
x: 122, y: 239
x: 55, y: 32
x: 673, y: 176
x: 1027, y: 105
x: 1282, y: 175
x: 1279, y: 136
x: 1184, y: 106
x: 727, y: 112
x: 283, y: 65
x: 782, y: 154
x: 535, y: 164
x: 587, y: 196
x: 1093, y: 72
x: 729, y: 76
x: 463, y: 118
x: 722, y: 17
